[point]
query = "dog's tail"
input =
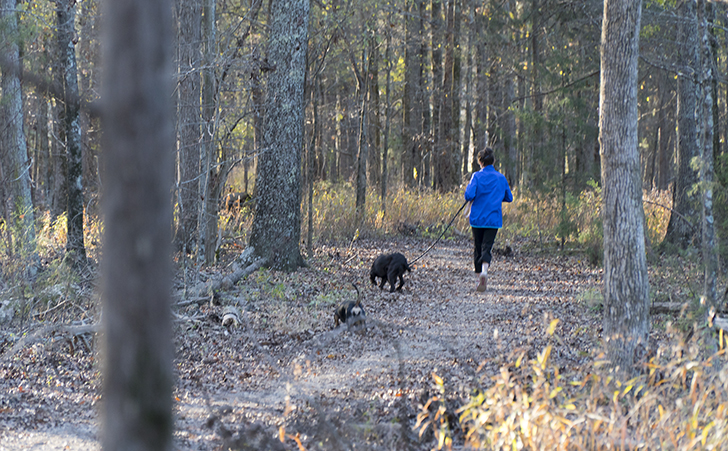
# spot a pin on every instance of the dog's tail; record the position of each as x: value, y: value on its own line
x: 358, y: 295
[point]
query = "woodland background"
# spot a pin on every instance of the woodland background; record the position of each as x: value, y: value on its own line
x: 396, y: 100
x: 415, y: 88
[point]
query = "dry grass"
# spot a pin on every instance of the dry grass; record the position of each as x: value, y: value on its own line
x: 679, y: 402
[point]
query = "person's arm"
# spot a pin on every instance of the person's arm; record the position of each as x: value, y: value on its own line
x: 509, y: 196
x: 471, y: 189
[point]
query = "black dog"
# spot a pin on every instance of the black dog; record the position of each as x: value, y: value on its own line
x: 351, y: 313
x: 389, y: 267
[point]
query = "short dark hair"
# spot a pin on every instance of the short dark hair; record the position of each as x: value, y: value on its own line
x: 486, y: 157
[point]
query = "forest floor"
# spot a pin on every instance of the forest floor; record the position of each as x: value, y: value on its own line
x: 285, y: 370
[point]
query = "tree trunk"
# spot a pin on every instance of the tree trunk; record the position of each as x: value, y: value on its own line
x: 421, y: 111
x: 445, y: 172
x: 277, y: 221
x: 666, y: 125
x: 387, y: 120
x: 188, y: 119
x: 375, y: 127
x: 214, y: 172
x: 480, y: 127
x: 16, y: 166
x: 467, y: 127
x: 437, y: 42
x: 533, y: 178
x: 311, y: 161
x: 409, y: 129
x: 363, y: 157
x: 136, y: 265
x: 456, y: 87
x: 680, y: 232
x: 626, y: 288
x: 66, y: 18
x: 709, y: 245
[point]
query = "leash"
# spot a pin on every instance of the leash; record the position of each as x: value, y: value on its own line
x: 443, y: 233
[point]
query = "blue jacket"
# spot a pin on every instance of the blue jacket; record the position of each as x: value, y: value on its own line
x: 488, y: 189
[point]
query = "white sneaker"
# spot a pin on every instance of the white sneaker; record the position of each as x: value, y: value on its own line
x: 483, y: 283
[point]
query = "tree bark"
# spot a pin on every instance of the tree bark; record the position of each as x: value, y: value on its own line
x: 363, y: 157
x: 626, y: 288
x: 277, y: 221
x: 444, y: 171
x: 65, y: 19
x: 16, y: 166
x: 480, y: 126
x: 709, y: 245
x: 438, y: 107
x: 136, y: 265
x: 188, y: 119
x: 214, y: 172
x: 679, y: 232
x: 375, y: 127
x: 409, y: 120
x: 387, y: 121
x: 666, y: 125
x: 456, y: 88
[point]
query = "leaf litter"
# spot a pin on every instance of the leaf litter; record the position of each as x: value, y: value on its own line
x: 283, y: 372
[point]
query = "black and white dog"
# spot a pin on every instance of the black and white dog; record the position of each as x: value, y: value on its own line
x: 351, y: 313
x: 389, y: 267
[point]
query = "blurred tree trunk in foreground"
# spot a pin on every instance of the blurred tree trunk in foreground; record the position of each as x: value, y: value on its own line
x: 136, y: 265
x: 626, y: 288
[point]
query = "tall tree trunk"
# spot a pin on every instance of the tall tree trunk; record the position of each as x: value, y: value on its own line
x: 626, y: 288
x: 387, y: 119
x: 445, y: 171
x: 276, y: 227
x: 65, y: 19
x: 188, y: 118
x: 375, y: 129
x: 709, y: 245
x: 533, y: 178
x: 685, y: 204
x: 16, y: 166
x: 214, y: 173
x: 315, y: 138
x: 666, y: 126
x: 363, y: 157
x: 480, y: 126
x: 510, y: 151
x: 437, y: 42
x: 422, y: 158
x: 467, y: 127
x: 136, y: 265
x: 456, y: 87
x: 411, y: 67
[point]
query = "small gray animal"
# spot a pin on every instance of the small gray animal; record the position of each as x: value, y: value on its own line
x: 351, y: 313
x: 389, y: 267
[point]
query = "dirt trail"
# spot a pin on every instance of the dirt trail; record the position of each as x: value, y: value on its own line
x: 340, y: 390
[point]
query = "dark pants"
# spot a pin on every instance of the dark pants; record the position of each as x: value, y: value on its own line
x: 484, y: 239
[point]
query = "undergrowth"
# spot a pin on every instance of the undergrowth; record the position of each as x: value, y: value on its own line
x: 37, y: 280
x: 679, y: 401
x: 538, y: 220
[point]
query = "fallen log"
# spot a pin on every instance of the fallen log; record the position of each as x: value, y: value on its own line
x: 38, y: 335
x: 667, y: 307
x: 203, y: 291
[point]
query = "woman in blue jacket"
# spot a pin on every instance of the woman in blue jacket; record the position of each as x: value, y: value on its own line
x: 487, y: 190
